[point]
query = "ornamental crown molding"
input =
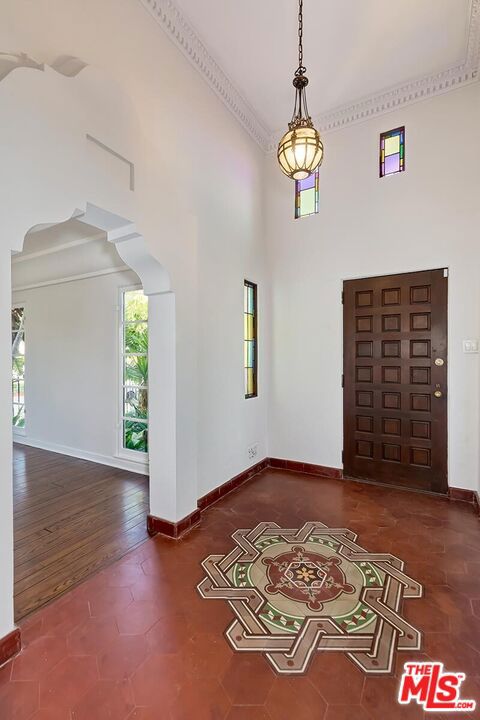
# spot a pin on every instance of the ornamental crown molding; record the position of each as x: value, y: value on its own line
x: 179, y: 30
x: 181, y: 33
x: 406, y: 93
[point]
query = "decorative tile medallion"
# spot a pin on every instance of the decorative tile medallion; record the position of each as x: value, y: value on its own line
x: 294, y: 592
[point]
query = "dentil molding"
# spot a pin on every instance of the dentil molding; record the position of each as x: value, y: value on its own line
x: 178, y: 29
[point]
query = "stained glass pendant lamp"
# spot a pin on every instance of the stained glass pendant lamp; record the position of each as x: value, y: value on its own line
x: 300, y: 150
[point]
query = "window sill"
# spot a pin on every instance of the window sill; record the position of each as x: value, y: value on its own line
x: 19, y: 431
x: 135, y: 457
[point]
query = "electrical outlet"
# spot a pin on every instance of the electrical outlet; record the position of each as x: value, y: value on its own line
x: 470, y: 346
x: 252, y: 451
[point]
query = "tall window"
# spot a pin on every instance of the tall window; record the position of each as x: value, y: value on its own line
x: 306, y: 195
x: 18, y: 367
x: 250, y: 348
x: 134, y: 370
x: 392, y: 152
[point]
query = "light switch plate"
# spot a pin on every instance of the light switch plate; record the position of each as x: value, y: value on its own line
x: 470, y: 346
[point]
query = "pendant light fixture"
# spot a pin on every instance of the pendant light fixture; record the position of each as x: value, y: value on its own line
x: 300, y: 150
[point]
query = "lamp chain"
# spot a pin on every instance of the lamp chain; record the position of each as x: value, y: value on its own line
x: 301, y: 69
x: 300, y: 151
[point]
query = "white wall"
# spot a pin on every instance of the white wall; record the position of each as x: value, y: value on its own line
x: 197, y: 202
x: 71, y: 376
x: 6, y: 489
x: 198, y: 195
x: 427, y: 217
x: 208, y: 169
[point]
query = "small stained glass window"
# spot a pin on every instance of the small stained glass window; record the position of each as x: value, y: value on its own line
x: 392, y: 152
x: 306, y: 195
x: 250, y: 338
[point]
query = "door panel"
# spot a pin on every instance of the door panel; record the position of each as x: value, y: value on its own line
x: 395, y: 360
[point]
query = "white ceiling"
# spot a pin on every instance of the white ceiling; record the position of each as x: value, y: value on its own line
x: 353, y: 48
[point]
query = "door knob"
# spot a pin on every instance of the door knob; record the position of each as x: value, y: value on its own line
x: 438, y: 393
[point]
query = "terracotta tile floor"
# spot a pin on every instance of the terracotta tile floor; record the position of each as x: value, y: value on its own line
x: 136, y: 641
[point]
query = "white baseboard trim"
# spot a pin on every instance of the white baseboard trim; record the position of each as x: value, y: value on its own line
x: 116, y: 462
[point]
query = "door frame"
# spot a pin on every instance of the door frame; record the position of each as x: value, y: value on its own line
x: 446, y: 269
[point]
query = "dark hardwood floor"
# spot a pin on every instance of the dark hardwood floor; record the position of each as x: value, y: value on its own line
x: 71, y: 517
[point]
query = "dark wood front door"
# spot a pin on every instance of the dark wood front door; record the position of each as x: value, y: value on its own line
x: 395, y: 379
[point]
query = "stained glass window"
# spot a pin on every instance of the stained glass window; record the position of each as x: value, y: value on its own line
x: 250, y: 338
x: 306, y: 195
x: 392, y: 152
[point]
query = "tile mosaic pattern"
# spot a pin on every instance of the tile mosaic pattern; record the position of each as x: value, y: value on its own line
x: 295, y: 592
x: 137, y: 642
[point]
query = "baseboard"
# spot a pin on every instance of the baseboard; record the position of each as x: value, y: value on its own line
x: 469, y: 496
x: 10, y: 645
x: 454, y: 493
x: 173, y: 530
x: 111, y: 460
x: 177, y: 529
x: 218, y: 493
x: 306, y: 468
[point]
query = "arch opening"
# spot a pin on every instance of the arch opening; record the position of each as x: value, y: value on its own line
x: 121, y: 240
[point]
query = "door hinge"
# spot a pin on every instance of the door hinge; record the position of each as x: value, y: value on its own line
x: 343, y: 380
x: 343, y: 297
x: 445, y: 272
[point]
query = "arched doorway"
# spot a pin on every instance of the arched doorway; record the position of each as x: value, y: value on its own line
x: 73, y: 153
x: 81, y: 495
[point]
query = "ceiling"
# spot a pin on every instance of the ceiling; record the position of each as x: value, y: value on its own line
x: 353, y: 49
